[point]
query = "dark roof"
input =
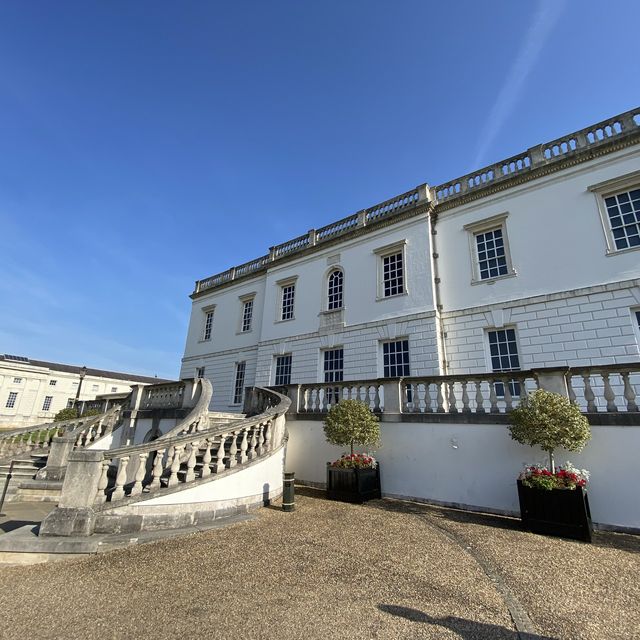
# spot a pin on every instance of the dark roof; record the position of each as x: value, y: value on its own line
x: 71, y: 368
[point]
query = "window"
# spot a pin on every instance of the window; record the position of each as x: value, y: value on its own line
x: 395, y: 359
x: 503, y: 351
x: 53, y: 383
x: 333, y: 365
x: 11, y: 400
x: 283, y: 370
x: 492, y: 261
x: 46, y: 405
x: 334, y: 290
x: 489, y: 249
x: 635, y: 319
x: 208, y: 325
x: 287, y: 299
x: 623, y: 214
x: 393, y: 275
x: 95, y: 387
x: 114, y: 389
x: 238, y: 387
x: 247, y: 315
x: 391, y: 270
x: 70, y: 403
x: 17, y: 380
x: 200, y: 372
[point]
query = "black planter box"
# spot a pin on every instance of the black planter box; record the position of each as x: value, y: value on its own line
x: 353, y: 485
x: 559, y: 512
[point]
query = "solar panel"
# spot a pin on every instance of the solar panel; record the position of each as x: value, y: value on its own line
x: 15, y: 358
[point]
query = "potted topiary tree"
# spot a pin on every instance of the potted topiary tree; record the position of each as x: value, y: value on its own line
x: 355, y: 477
x: 552, y: 500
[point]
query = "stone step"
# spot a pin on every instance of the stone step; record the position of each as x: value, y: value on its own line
x: 38, y: 491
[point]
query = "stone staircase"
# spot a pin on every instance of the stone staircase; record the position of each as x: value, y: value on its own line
x: 24, y: 469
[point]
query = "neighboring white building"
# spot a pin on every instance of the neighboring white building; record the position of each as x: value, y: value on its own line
x: 33, y: 391
x: 531, y: 262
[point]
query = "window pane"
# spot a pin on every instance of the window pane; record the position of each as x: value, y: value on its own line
x: 623, y: 210
x: 492, y: 261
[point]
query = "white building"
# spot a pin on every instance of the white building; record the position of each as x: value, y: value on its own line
x: 33, y: 391
x: 530, y: 262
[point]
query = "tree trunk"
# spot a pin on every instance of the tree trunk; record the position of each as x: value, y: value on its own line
x: 352, y: 447
x: 552, y: 464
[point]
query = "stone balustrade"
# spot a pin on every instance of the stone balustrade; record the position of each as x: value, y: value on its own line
x: 103, y: 425
x: 388, y: 208
x: 163, y: 396
x: 96, y: 480
x: 608, y: 389
x: 197, y: 419
x: 540, y: 155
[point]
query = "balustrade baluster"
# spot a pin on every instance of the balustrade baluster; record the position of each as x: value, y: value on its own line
x: 440, y: 397
x: 191, y: 462
x: 506, y: 385
x: 325, y: 399
x: 101, y: 496
x: 629, y: 393
x: 570, y: 390
x: 428, y: 400
x: 404, y: 395
x: 220, y: 454
x: 175, y: 465
x: 376, y: 398
x: 233, y: 450
x: 589, y: 396
x: 609, y: 394
x: 206, y: 460
x: 253, y: 443
x: 479, y: 397
x: 244, y: 445
x: 121, y: 479
x: 452, y: 398
x: 316, y: 400
x: 465, y: 398
x: 267, y: 436
x: 493, y: 398
x: 140, y: 473
x: 158, y: 468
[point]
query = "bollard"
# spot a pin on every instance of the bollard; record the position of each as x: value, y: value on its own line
x: 289, y: 493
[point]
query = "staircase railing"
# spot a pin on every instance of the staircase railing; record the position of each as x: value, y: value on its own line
x: 97, y: 479
x: 197, y: 418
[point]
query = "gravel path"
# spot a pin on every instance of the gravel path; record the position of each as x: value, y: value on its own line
x: 387, y: 569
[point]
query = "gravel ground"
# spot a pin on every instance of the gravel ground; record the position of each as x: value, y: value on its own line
x: 387, y: 569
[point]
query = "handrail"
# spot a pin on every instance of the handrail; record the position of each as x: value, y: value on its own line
x: 192, y: 422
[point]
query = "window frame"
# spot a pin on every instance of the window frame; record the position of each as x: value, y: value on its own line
x: 53, y: 383
x: 332, y: 372
x: 514, y: 386
x: 403, y: 364
x: 46, y: 403
x: 635, y: 321
x: 327, y: 290
x: 244, y: 300
x: 606, y: 189
x: 399, y: 247
x: 282, y: 285
x: 473, y: 229
x: 200, y: 372
x: 206, y: 311
x: 17, y: 380
x: 12, y: 398
x: 275, y: 369
x: 237, y: 397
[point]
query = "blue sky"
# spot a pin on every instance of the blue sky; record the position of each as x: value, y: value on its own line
x: 146, y: 144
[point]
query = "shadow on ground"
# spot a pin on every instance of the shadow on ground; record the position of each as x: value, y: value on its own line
x: 10, y: 525
x: 466, y: 629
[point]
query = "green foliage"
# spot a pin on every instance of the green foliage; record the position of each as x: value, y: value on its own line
x: 91, y: 412
x: 70, y: 413
x: 351, y: 422
x: 550, y: 421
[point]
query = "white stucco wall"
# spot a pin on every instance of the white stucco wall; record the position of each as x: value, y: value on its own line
x: 477, y: 465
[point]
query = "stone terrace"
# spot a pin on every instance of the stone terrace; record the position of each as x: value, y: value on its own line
x: 387, y: 569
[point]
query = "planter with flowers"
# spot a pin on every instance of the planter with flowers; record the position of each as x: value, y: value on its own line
x: 354, y: 477
x: 553, y: 500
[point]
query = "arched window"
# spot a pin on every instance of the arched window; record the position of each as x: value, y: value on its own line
x: 334, y: 290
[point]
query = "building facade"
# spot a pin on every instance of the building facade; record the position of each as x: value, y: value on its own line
x: 530, y: 262
x: 33, y: 391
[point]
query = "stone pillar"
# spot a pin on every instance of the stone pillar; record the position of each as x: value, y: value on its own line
x: 128, y: 430
x: 312, y: 237
x: 553, y: 380
x: 392, y: 401
x: 74, y: 515
x: 61, y: 448
x: 293, y: 393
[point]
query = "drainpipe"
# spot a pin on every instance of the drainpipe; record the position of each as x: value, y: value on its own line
x: 437, y: 303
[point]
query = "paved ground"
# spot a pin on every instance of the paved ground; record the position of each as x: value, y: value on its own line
x: 18, y: 514
x: 331, y: 570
